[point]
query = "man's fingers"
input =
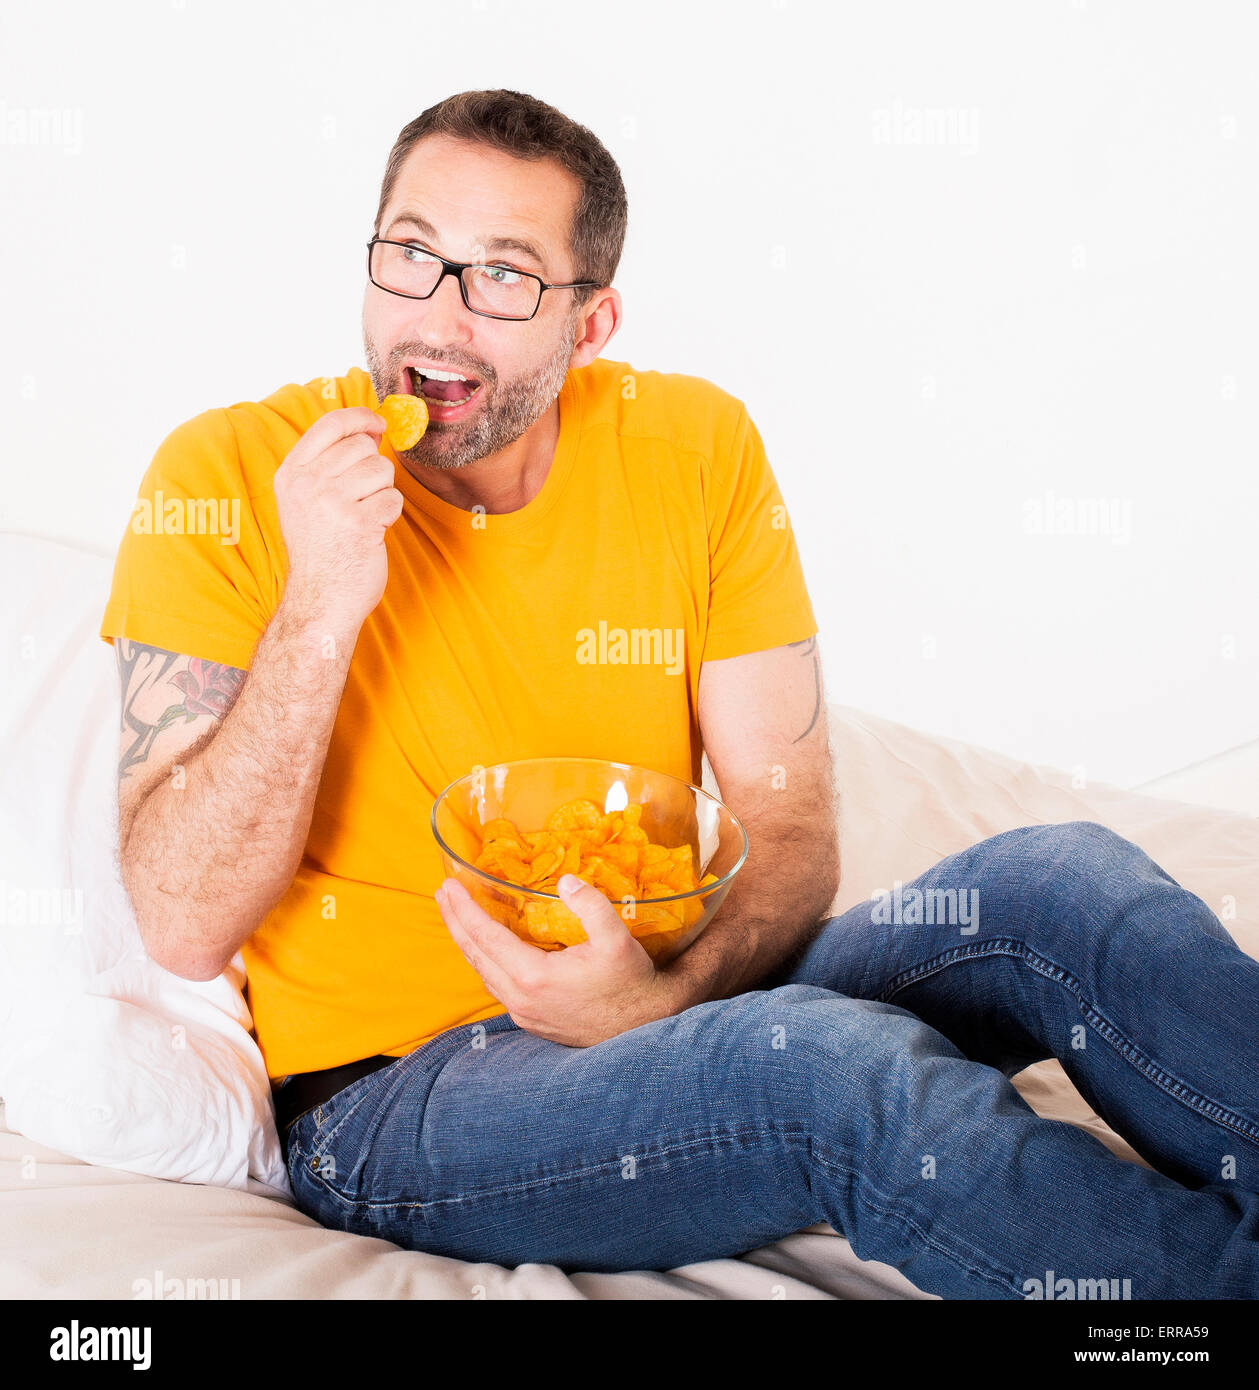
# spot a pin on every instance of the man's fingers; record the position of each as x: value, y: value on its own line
x: 336, y: 424
x: 497, y: 981
x: 337, y: 460
x: 384, y: 507
x: 503, y: 951
x: 364, y: 478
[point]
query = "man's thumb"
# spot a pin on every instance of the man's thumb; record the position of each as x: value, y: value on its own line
x: 597, y: 914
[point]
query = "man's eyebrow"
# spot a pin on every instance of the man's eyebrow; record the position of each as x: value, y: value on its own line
x: 492, y: 247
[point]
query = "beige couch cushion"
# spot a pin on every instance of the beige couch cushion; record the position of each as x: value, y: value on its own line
x: 909, y: 798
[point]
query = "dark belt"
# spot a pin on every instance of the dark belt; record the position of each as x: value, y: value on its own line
x: 305, y: 1090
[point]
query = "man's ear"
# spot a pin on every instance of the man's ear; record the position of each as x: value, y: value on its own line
x: 601, y: 319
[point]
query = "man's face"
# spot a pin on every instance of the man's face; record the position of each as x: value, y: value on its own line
x: 455, y: 198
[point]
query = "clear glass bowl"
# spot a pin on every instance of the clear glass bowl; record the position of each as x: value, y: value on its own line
x: 526, y: 792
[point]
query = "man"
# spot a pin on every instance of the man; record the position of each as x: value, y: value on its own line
x: 402, y: 620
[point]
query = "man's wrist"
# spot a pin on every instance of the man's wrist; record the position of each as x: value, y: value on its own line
x: 676, y: 989
x: 330, y: 635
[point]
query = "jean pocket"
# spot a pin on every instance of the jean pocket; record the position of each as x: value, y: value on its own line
x: 321, y: 1126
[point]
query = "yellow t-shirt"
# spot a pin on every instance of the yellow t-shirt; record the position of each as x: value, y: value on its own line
x: 660, y: 511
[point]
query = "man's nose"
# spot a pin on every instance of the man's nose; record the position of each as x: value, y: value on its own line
x: 447, y: 318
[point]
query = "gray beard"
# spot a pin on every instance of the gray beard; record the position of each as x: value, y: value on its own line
x: 510, y: 410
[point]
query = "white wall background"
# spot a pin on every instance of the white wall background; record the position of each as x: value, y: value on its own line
x: 962, y: 260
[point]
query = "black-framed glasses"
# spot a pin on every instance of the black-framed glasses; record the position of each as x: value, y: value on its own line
x: 494, y: 291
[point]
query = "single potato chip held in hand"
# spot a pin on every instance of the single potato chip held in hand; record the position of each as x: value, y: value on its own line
x: 406, y: 419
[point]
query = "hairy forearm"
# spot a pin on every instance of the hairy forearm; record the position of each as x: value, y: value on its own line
x: 777, y: 899
x: 212, y: 848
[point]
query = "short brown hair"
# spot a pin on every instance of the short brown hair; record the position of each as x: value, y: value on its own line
x: 523, y: 126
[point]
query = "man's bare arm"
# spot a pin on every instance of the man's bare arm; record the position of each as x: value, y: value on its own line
x: 764, y: 726
x: 170, y: 703
x: 214, y: 810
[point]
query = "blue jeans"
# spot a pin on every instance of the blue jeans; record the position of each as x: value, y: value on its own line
x: 865, y: 1084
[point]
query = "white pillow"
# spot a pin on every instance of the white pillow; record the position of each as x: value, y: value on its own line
x: 104, y: 1055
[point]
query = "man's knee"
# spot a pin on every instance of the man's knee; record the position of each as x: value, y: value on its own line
x: 1070, y: 844
x: 1055, y: 866
x: 1079, y: 884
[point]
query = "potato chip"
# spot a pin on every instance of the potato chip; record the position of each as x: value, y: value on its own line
x: 545, y: 864
x: 406, y: 419
x: 612, y: 883
x: 599, y: 834
x: 553, y: 922
x: 504, y: 865
x: 625, y: 857
x: 500, y: 830
x: 574, y: 815
x: 692, y: 909
x: 647, y: 919
x: 657, y: 943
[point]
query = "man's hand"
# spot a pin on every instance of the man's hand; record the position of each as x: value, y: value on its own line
x: 578, y: 996
x: 335, y: 498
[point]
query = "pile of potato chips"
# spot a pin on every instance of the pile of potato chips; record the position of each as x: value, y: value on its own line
x: 608, y: 849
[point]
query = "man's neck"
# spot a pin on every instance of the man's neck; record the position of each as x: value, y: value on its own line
x: 501, y: 482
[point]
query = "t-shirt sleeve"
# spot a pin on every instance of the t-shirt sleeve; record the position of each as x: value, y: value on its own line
x: 194, y: 573
x: 757, y: 594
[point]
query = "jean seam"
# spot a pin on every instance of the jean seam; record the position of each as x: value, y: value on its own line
x: 795, y: 1133
x: 320, y: 1142
x: 569, y: 1175
x: 1141, y: 1062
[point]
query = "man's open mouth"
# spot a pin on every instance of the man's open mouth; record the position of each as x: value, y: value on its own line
x: 441, y: 387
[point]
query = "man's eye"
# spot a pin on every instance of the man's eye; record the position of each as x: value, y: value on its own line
x: 500, y: 275
x: 416, y: 254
